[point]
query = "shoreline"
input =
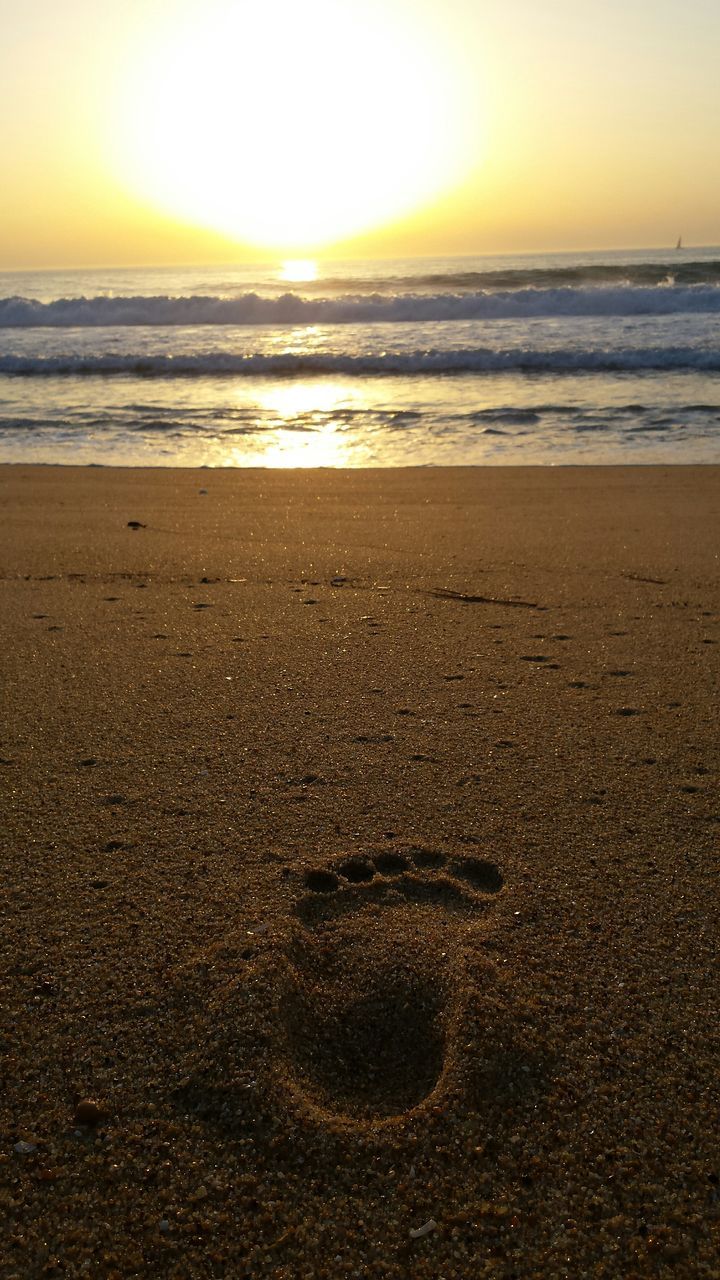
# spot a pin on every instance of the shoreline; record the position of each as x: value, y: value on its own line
x: 390, y: 467
x: 410, y: 466
x: 361, y: 856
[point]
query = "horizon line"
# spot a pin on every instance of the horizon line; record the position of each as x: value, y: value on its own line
x: 330, y: 258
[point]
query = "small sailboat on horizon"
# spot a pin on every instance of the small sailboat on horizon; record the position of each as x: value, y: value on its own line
x: 679, y: 244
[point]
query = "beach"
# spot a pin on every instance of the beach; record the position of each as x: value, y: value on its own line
x: 360, y: 875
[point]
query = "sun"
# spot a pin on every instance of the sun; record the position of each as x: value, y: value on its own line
x: 289, y: 125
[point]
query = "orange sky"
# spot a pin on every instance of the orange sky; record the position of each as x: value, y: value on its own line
x: 175, y: 131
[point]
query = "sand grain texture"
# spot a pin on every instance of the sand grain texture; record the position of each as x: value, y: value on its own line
x: 360, y: 873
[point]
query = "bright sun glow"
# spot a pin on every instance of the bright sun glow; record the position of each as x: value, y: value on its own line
x: 299, y: 270
x: 290, y: 125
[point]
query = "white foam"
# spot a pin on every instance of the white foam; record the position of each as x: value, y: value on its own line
x: 286, y: 364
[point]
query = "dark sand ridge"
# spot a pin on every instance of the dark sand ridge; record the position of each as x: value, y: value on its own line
x: 361, y: 860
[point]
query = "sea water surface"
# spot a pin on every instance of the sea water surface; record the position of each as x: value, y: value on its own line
x: 555, y: 358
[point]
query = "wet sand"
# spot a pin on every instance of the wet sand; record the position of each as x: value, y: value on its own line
x: 360, y: 865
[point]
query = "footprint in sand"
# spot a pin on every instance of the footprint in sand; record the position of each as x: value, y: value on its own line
x: 377, y: 989
x: 366, y: 1003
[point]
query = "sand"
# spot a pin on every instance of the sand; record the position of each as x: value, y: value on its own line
x: 360, y: 873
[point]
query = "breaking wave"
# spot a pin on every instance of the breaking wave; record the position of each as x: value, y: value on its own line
x: 287, y: 364
x: 294, y: 309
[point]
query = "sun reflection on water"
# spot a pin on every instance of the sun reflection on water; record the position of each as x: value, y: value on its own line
x: 298, y: 270
x: 291, y: 400
x: 307, y: 424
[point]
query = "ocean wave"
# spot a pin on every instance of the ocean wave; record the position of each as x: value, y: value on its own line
x: 645, y: 274
x: 473, y: 360
x: 293, y: 309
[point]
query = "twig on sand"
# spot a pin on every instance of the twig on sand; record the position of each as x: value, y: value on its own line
x: 444, y: 593
x: 419, y: 1232
x: 637, y: 577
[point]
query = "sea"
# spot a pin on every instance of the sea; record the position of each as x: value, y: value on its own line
x: 554, y: 359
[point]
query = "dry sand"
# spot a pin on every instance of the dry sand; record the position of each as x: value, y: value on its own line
x: 361, y: 865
